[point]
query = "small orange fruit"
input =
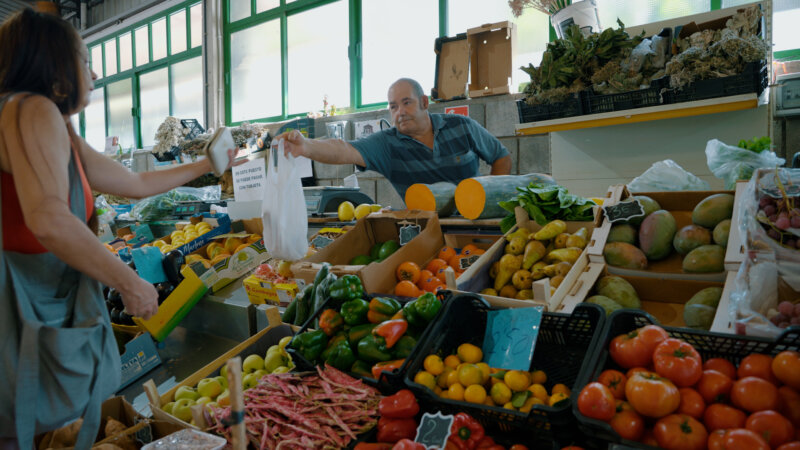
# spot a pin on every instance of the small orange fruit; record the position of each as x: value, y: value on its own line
x: 406, y: 288
x: 446, y: 253
x: 435, y: 264
x: 408, y: 270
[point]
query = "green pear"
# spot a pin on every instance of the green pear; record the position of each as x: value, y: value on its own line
x: 223, y: 371
x: 252, y: 363
x: 273, y: 350
x: 183, y: 409
x: 285, y: 341
x: 203, y: 401
x: 168, y: 407
x: 224, y: 399
x: 282, y: 369
x: 209, y: 387
x: 249, y: 380
x: 274, y: 361
x: 260, y: 373
x: 186, y: 392
x: 223, y: 381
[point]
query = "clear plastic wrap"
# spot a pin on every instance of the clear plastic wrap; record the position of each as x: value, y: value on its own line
x: 667, y: 175
x: 161, y: 205
x: 105, y: 212
x: 733, y: 163
x: 770, y: 272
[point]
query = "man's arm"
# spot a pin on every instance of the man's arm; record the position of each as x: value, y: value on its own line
x: 327, y: 151
x: 502, y: 166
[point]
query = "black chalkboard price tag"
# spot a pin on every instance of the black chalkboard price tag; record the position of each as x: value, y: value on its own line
x: 320, y: 242
x: 409, y: 232
x: 433, y: 430
x: 467, y: 261
x: 623, y: 211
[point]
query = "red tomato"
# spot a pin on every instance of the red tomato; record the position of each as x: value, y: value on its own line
x: 628, y: 424
x: 722, y: 366
x: 651, y: 395
x: 757, y: 365
x: 622, y: 405
x: 716, y: 440
x: 743, y: 439
x: 596, y: 401
x: 794, y: 445
x: 692, y: 403
x: 773, y: 427
x: 786, y: 367
x: 636, y: 348
x: 723, y: 417
x: 649, y: 438
x: 632, y: 371
x: 789, y: 404
x: 679, y: 431
x: 754, y: 394
x: 615, y: 380
x: 714, y: 386
x: 678, y: 361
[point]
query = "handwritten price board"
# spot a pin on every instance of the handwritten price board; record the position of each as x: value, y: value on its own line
x: 511, y: 337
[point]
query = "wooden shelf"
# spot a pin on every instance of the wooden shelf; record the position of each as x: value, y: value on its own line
x: 687, y: 109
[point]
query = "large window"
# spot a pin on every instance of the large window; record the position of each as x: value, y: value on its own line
x: 187, y: 82
x: 120, y: 119
x: 95, y: 120
x: 255, y: 87
x: 153, y: 103
x: 640, y: 12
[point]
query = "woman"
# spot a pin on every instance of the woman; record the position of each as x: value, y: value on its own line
x: 58, y: 359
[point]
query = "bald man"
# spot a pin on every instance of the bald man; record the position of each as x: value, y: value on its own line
x: 422, y: 147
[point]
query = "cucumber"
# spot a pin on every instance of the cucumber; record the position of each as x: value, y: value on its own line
x: 291, y: 311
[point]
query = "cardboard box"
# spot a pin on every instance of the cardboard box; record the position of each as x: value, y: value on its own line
x: 220, y: 224
x: 490, y: 55
x: 261, y: 291
x: 722, y: 321
x: 139, y: 358
x: 452, y: 68
x: 377, y: 227
x: 680, y: 204
x: 142, y: 234
x: 258, y: 343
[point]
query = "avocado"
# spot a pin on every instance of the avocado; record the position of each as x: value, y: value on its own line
x: 387, y: 249
x: 373, y: 252
x: 360, y: 260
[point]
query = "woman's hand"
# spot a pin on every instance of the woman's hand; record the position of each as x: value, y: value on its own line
x: 141, y: 299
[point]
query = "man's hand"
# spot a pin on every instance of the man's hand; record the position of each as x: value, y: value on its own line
x: 294, y: 143
x: 502, y: 166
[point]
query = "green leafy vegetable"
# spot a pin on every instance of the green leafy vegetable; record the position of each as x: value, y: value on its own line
x: 545, y: 203
x: 756, y: 145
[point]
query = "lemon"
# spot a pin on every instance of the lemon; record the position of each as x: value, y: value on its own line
x: 452, y: 378
x: 500, y: 393
x: 425, y: 379
x: 475, y: 394
x: 555, y: 398
x: 538, y: 377
x: 517, y: 380
x: 346, y: 211
x: 469, y: 374
x: 433, y: 364
x: 528, y: 406
x: 469, y: 353
x: 441, y: 380
x: 456, y: 392
x: 452, y: 361
x: 485, y: 370
x: 508, y: 405
x: 375, y: 208
x: 539, y: 392
x: 159, y: 243
x: 362, y: 210
x: 561, y: 389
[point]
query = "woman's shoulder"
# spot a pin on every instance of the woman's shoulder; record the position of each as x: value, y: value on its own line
x: 31, y: 106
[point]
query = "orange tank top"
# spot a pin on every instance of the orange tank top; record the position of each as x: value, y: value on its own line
x: 16, y: 235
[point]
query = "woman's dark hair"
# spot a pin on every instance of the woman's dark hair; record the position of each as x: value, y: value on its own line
x: 38, y: 53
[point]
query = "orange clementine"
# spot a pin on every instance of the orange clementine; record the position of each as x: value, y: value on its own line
x: 406, y: 288
x: 469, y: 249
x: 408, y: 270
x: 435, y: 265
x: 446, y: 253
x: 455, y: 262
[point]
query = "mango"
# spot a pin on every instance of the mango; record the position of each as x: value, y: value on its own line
x: 623, y: 233
x: 570, y: 255
x: 522, y: 279
x: 708, y: 296
x: 656, y: 233
x: 713, y: 210
x: 537, y: 271
x: 622, y: 254
x: 721, y: 232
x: 699, y: 316
x: 578, y: 239
x: 648, y: 204
x: 534, y: 251
x: 619, y: 290
x: 524, y: 294
x: 551, y: 230
x: 690, y: 237
x: 705, y: 259
x: 606, y: 303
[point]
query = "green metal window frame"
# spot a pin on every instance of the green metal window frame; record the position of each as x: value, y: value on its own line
x: 134, y: 72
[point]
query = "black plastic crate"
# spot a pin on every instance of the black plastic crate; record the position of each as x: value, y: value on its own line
x: 641, y: 98
x: 563, y: 347
x: 389, y: 383
x: 534, y: 113
x: 752, y: 79
x: 710, y: 345
x: 195, y: 129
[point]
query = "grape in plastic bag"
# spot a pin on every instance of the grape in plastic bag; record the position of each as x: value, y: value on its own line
x: 284, y: 208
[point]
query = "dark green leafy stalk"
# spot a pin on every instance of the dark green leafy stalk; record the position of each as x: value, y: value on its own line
x: 545, y: 203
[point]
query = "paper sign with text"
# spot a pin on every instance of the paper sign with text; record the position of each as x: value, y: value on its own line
x: 460, y: 110
x: 511, y: 337
x: 248, y: 180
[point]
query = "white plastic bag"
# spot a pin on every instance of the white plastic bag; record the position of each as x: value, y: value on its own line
x: 733, y: 163
x: 667, y: 175
x: 283, y: 209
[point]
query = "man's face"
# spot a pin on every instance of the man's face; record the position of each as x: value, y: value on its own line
x: 409, y: 112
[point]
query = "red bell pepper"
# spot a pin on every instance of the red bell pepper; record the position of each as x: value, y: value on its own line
x: 393, y: 430
x: 487, y: 443
x: 466, y: 432
x: 377, y: 446
x: 391, y: 330
x: 407, y: 444
x: 402, y: 405
x: 387, y: 366
x: 330, y: 322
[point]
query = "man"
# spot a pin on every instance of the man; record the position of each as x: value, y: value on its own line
x: 422, y: 148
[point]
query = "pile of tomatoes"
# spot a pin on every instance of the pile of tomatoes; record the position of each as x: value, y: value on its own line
x: 671, y: 398
x: 413, y: 280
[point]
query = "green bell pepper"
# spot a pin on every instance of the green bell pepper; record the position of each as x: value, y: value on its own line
x: 355, y: 311
x: 310, y: 344
x: 412, y: 315
x: 404, y: 346
x: 358, y: 332
x: 361, y: 368
x: 373, y: 349
x: 341, y: 356
x: 347, y: 287
x: 382, y: 309
x: 427, y: 306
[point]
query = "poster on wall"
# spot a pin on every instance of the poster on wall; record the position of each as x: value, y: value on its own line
x: 460, y: 110
x: 367, y: 127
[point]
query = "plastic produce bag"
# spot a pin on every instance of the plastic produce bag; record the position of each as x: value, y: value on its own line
x: 162, y: 205
x: 733, y: 163
x: 667, y: 175
x: 770, y: 272
x: 105, y: 213
x: 284, y: 208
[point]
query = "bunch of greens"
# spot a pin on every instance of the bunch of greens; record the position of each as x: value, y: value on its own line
x: 756, y: 145
x: 545, y: 203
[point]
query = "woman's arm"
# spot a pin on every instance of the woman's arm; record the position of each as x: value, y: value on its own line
x: 38, y: 154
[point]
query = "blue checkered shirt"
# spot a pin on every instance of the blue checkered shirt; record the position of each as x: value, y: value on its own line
x: 458, y: 142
